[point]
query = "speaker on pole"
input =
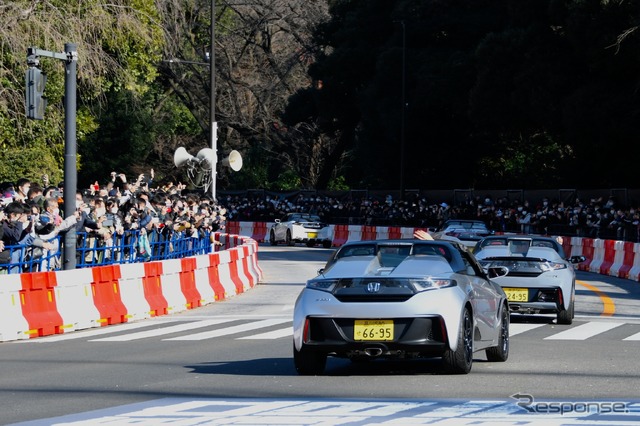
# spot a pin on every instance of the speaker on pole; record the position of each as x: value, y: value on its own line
x: 234, y: 160
x: 181, y: 156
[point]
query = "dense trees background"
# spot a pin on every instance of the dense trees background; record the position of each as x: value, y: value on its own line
x: 498, y: 93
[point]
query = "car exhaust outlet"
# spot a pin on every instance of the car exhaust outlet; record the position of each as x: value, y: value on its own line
x: 373, y: 352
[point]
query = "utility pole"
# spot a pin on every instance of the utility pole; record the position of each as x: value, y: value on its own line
x: 35, y: 105
x: 213, y: 129
x: 404, y: 108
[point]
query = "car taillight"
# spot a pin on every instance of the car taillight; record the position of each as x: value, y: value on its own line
x: 305, y: 330
x: 552, y: 266
x: 322, y: 285
x: 431, y: 284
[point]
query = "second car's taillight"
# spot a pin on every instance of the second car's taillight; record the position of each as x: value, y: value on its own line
x: 323, y: 285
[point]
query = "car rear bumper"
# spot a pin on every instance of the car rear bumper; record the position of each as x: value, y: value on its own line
x: 534, y: 308
x: 416, y: 336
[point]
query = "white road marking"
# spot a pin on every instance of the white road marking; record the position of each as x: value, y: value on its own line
x: 521, y: 328
x: 276, y: 334
x: 83, y: 334
x: 230, y: 330
x: 162, y: 331
x: 325, y: 412
x: 633, y: 337
x: 585, y: 331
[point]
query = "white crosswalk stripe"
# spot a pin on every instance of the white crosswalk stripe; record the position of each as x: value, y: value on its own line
x: 585, y: 331
x: 162, y: 331
x: 276, y: 334
x: 187, y: 328
x: 633, y: 337
x: 230, y: 330
x: 518, y: 328
x: 83, y: 334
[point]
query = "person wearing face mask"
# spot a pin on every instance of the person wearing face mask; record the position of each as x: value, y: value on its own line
x: 18, y: 229
x: 85, y: 221
x: 114, y: 217
x: 22, y: 185
x: 51, y: 213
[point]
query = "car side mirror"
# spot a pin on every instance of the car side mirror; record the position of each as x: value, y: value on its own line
x: 320, y: 271
x: 497, y: 271
x: 577, y: 259
x: 277, y: 221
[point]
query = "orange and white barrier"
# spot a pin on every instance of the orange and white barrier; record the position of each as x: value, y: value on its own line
x: 623, y: 259
x: 587, y: 252
x: 634, y: 271
x: 46, y: 303
x: 608, y: 257
x: 598, y: 256
x: 13, y: 325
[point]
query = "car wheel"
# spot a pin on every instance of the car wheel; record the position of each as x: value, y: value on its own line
x: 288, y: 239
x: 461, y: 360
x: 565, y: 316
x: 272, y: 238
x: 309, y: 363
x: 500, y: 353
x: 326, y: 244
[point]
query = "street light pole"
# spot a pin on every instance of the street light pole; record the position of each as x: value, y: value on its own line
x: 213, y: 129
x: 404, y: 107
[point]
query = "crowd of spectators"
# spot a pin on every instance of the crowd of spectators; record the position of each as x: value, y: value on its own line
x: 597, y: 218
x: 30, y: 212
x: 31, y: 215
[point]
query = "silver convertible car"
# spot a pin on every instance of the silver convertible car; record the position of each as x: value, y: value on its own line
x: 301, y: 228
x: 540, y: 279
x: 401, y: 299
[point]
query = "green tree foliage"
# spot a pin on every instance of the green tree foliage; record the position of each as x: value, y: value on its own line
x: 498, y: 92
x: 262, y: 52
x: 534, y: 93
x: 118, y: 48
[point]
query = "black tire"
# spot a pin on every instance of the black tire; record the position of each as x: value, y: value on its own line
x: 309, y: 363
x: 565, y: 316
x: 288, y: 239
x: 326, y: 244
x: 460, y: 361
x: 272, y: 238
x: 500, y: 353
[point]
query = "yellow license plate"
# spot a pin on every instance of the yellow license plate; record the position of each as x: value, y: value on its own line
x: 312, y: 235
x: 373, y: 330
x: 517, y: 294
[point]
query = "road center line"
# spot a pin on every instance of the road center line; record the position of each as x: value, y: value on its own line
x: 609, y: 308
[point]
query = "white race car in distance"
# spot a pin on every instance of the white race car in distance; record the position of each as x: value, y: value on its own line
x: 301, y: 228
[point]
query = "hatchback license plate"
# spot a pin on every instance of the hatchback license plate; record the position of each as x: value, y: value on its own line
x: 517, y: 294
x: 373, y: 330
x: 312, y: 235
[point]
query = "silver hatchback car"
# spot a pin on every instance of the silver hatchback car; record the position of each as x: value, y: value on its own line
x: 401, y: 299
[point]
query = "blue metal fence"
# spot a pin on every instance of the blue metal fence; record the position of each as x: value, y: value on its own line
x: 96, y: 249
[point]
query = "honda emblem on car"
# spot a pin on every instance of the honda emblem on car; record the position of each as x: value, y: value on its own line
x: 373, y: 287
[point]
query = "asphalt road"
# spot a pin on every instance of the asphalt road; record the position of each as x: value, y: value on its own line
x: 241, y: 348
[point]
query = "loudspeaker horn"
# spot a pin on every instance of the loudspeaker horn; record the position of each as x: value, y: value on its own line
x: 181, y: 156
x: 234, y: 160
x: 208, y: 155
